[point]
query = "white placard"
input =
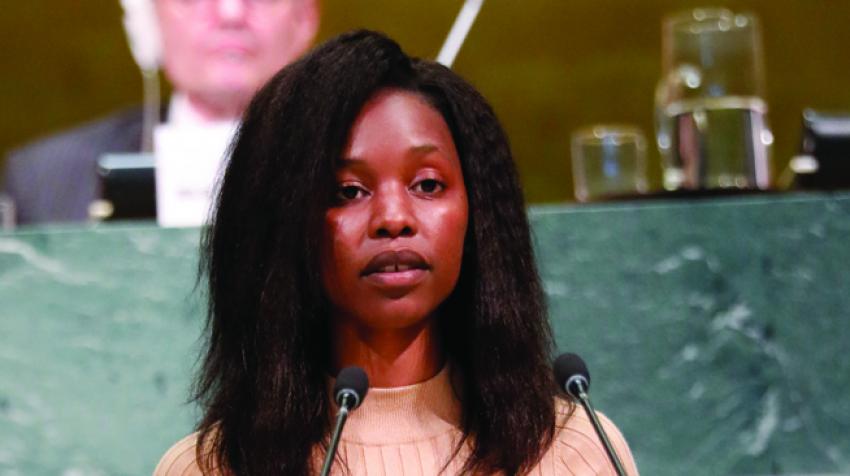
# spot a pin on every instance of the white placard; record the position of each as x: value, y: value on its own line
x: 189, y: 159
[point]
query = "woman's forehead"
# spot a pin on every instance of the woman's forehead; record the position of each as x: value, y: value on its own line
x: 400, y: 122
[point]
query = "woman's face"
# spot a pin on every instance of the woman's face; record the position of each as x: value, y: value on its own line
x: 393, y: 238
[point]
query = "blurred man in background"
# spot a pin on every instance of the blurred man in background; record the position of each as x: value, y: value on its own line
x: 216, y: 54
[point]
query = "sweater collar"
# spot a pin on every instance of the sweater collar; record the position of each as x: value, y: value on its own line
x: 405, y: 414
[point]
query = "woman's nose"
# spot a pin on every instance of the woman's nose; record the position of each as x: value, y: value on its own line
x: 231, y: 10
x: 392, y: 214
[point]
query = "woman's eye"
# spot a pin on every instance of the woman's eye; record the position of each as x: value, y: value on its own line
x: 349, y: 192
x: 428, y: 186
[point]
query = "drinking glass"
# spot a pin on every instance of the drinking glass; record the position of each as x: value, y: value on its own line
x: 609, y: 161
x: 711, y: 116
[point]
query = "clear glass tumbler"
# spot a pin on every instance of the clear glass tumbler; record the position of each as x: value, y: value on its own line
x: 609, y: 161
x: 711, y: 115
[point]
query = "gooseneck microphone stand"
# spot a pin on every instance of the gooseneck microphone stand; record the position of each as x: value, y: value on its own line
x: 349, y: 391
x: 577, y: 387
x: 573, y: 377
x: 344, y: 410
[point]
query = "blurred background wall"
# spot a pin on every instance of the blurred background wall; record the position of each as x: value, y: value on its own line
x: 547, y: 66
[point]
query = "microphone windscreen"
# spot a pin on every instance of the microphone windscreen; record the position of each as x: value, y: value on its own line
x: 568, y: 365
x: 353, y: 379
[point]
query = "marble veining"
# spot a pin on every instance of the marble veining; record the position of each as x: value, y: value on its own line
x: 716, y: 332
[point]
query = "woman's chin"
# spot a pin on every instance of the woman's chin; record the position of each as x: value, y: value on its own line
x: 394, y: 315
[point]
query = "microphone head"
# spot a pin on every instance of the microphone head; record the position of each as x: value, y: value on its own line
x: 570, y: 369
x: 351, y: 381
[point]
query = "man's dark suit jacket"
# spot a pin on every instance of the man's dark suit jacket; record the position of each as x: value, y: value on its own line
x: 55, y: 179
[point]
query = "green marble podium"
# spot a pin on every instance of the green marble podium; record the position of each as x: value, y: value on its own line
x: 716, y: 332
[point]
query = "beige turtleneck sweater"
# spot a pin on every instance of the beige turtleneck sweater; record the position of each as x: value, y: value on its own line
x: 413, y: 430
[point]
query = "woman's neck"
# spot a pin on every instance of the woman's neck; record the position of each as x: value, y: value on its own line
x: 390, y: 357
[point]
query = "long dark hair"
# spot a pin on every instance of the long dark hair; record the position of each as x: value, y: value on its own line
x: 263, y: 379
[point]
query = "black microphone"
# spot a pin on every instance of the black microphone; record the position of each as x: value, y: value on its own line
x: 572, y: 377
x: 349, y: 391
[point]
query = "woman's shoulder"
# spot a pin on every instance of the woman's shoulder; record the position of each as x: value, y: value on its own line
x: 577, y: 449
x: 180, y: 459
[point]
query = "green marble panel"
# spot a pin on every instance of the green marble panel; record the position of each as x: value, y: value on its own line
x: 99, y: 332
x: 715, y: 333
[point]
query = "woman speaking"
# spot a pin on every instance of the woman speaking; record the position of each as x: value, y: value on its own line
x: 371, y: 215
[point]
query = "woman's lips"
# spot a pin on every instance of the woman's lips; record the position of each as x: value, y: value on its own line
x: 396, y: 269
x: 397, y: 279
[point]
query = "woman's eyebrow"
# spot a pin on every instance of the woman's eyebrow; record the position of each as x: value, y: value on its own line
x: 424, y: 148
x: 352, y: 161
x: 416, y: 149
x: 353, y: 165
